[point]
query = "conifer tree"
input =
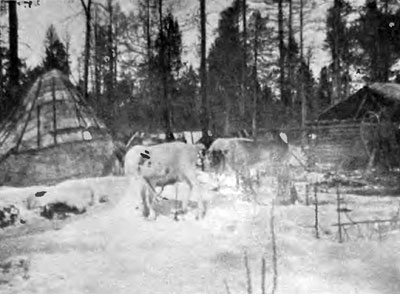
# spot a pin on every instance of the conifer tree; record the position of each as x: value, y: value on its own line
x: 338, y: 42
x: 377, y: 33
x: 55, y: 53
x: 165, y: 66
x: 225, y: 66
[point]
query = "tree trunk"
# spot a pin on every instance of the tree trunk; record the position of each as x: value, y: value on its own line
x: 92, y: 75
x: 203, y: 75
x: 148, y: 34
x: 303, y: 108
x: 97, y: 63
x: 1, y: 76
x: 281, y: 54
x: 255, y: 81
x: 13, y: 38
x: 67, y: 51
x: 301, y: 30
x: 302, y: 94
x: 115, y: 64
x: 386, y: 55
x: 255, y: 100
x: 227, y: 126
x: 243, y: 87
x: 290, y: 55
x: 110, y: 74
x: 2, y: 82
x: 167, y: 109
x: 87, y: 9
x: 336, y: 89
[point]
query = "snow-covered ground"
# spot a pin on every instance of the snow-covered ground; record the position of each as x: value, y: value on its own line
x: 112, y: 249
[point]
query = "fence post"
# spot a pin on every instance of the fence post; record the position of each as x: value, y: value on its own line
x: 338, y: 213
x: 38, y: 125
x: 307, y: 194
x: 274, y: 251
x: 380, y: 232
x: 316, y: 211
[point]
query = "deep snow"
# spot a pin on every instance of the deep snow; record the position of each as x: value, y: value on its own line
x: 112, y: 249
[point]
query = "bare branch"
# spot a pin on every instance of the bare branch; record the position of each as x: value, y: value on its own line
x: 100, y: 5
x: 73, y: 16
x: 84, y: 5
x: 263, y: 271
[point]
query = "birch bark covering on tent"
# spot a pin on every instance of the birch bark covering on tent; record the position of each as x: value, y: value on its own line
x: 52, y: 115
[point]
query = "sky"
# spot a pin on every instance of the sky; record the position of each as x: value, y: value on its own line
x: 68, y: 18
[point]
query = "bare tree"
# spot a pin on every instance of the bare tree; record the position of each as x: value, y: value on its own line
x: 203, y: 75
x: 148, y: 31
x: 97, y: 49
x: 110, y: 49
x: 290, y: 54
x: 2, y: 82
x: 257, y: 28
x: 87, y: 9
x: 167, y: 108
x: 67, y: 42
x: 13, y: 38
x: 301, y: 29
x: 244, y: 61
x: 302, y: 95
x: 281, y: 54
x: 336, y: 80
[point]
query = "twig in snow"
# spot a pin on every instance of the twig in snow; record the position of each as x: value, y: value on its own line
x: 316, y: 223
x: 248, y: 273
x: 274, y: 255
x: 263, y: 275
x: 227, y: 287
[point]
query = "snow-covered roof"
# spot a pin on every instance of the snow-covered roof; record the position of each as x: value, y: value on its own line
x: 389, y: 91
x: 370, y: 97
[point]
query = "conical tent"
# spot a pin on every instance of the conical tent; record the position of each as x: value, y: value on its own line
x: 52, y: 136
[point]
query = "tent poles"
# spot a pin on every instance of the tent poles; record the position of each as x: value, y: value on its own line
x: 361, y: 105
x: 78, y: 114
x: 29, y: 115
x: 38, y: 125
x: 82, y: 101
x: 54, y: 114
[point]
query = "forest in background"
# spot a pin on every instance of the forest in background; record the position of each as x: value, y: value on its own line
x: 131, y: 67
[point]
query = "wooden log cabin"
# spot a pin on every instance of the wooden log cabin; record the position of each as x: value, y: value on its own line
x: 345, y: 135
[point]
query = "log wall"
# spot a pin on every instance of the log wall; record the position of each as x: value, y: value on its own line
x: 337, y: 145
